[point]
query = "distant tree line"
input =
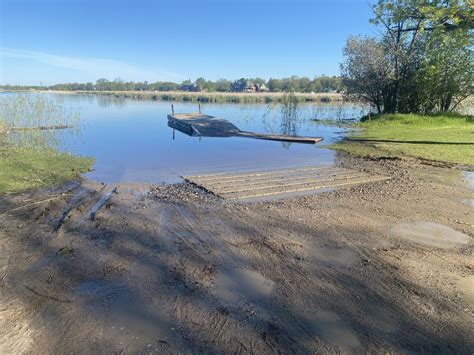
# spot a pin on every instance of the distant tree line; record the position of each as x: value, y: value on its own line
x: 292, y: 84
x: 421, y: 62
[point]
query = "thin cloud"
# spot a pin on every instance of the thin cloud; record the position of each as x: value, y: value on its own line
x: 98, y: 67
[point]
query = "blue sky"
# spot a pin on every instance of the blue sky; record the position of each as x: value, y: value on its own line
x: 51, y: 41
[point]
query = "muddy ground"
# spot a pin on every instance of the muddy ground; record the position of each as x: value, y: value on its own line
x: 383, y: 267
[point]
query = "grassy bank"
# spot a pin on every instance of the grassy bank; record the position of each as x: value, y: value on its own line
x: 26, y: 168
x: 215, y: 97
x: 447, y: 138
x: 29, y: 157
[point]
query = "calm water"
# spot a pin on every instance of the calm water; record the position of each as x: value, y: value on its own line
x: 131, y: 141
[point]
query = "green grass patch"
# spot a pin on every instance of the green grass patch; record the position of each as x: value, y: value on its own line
x: 447, y: 137
x: 27, y: 168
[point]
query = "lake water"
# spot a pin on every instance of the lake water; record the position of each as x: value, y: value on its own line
x: 132, y: 142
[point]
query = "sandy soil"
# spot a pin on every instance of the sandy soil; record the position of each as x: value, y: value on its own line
x: 384, y: 267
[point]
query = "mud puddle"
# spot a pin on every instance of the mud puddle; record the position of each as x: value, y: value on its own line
x: 469, y: 202
x: 126, y: 319
x: 429, y: 234
x: 331, y: 328
x: 334, y: 256
x: 242, y: 284
x: 468, y: 177
x: 449, y: 177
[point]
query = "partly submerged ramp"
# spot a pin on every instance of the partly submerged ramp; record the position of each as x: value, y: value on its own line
x: 196, y: 124
x: 279, y: 183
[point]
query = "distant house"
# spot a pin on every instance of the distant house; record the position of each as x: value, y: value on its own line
x: 189, y: 87
x: 263, y: 88
x: 251, y: 87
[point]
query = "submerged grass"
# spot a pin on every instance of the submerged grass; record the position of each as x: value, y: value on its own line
x: 30, y: 159
x: 443, y: 137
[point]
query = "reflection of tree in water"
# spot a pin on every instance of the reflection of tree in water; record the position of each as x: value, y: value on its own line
x: 111, y: 100
x: 339, y: 111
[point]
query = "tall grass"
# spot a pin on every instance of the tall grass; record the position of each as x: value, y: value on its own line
x: 290, y: 114
x: 29, y: 111
x: 283, y: 117
x: 218, y: 97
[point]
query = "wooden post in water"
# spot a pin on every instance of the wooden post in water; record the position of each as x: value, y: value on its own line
x: 172, y: 109
x: 199, y: 105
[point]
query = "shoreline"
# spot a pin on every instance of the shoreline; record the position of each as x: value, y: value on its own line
x: 213, y: 97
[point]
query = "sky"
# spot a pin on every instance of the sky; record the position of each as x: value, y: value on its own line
x: 55, y: 41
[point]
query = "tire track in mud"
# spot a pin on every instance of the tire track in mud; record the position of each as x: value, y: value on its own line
x: 295, y: 280
x: 183, y: 224
x: 30, y: 298
x: 77, y: 200
x: 218, y: 323
x: 85, y: 204
x: 202, y: 244
x: 245, y: 325
x: 196, y: 307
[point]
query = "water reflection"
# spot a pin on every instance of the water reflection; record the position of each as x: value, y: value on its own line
x: 110, y: 100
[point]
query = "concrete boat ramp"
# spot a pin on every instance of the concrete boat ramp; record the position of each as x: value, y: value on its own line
x: 262, y: 185
x: 199, y: 125
x: 274, y: 184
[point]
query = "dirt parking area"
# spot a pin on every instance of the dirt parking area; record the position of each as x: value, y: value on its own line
x: 384, y: 267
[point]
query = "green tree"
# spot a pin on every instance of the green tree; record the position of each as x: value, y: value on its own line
x: 200, y: 83
x: 446, y: 76
x: 366, y: 71
x: 104, y: 84
x: 210, y: 86
x: 239, y: 85
x: 304, y: 84
x: 258, y: 81
x: 223, y: 85
x: 274, y: 85
x: 410, y: 28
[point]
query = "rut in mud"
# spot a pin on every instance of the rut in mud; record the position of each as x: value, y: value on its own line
x: 170, y: 269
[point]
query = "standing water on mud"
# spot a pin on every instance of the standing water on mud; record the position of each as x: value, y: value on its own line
x: 132, y: 142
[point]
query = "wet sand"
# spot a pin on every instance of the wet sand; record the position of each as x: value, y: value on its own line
x: 383, y: 267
